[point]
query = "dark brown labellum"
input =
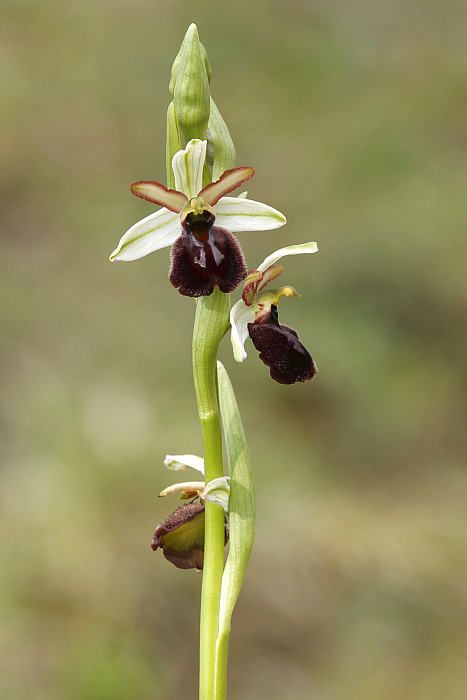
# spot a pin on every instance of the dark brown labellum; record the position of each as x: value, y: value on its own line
x: 181, y: 536
x: 281, y: 350
x: 206, y: 256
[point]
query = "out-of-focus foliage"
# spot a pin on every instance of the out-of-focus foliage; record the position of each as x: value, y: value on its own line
x: 354, y: 116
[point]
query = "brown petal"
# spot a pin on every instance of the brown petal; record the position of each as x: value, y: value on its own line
x: 159, y: 194
x: 228, y: 181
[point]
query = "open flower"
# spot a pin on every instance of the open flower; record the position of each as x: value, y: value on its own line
x: 204, y: 255
x: 256, y: 316
x: 181, y: 535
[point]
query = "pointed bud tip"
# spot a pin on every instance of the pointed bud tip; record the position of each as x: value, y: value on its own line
x: 192, y: 29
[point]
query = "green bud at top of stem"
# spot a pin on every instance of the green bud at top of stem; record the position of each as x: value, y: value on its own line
x: 189, y: 85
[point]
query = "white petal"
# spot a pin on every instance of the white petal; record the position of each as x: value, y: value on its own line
x: 180, y: 462
x: 156, y: 231
x: 218, y: 491
x: 239, y: 214
x: 288, y: 250
x: 240, y: 316
x: 188, y: 168
x: 183, y: 486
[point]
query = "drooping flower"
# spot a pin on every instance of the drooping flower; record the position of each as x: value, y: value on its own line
x: 256, y: 316
x: 181, y: 535
x: 192, y: 221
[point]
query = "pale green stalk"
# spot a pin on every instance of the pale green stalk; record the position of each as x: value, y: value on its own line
x: 211, y: 323
x: 173, y: 144
x: 241, y: 521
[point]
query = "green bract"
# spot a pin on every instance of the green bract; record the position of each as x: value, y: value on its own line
x: 241, y: 516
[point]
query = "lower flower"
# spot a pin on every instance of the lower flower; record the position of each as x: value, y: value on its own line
x: 181, y: 536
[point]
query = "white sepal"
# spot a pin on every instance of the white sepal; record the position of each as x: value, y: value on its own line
x: 188, y: 168
x: 158, y: 230
x: 241, y: 214
x: 288, y: 250
x: 218, y: 491
x: 240, y: 316
x: 180, y: 462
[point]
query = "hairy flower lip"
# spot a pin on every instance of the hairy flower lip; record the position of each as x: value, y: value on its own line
x: 200, y: 263
x: 281, y: 350
x: 181, y: 536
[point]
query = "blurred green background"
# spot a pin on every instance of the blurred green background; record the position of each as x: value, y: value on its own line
x: 354, y: 115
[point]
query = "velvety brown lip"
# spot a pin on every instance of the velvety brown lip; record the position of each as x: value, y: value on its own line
x: 204, y: 259
x: 281, y: 350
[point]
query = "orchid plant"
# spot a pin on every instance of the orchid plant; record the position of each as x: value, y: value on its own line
x: 197, y: 219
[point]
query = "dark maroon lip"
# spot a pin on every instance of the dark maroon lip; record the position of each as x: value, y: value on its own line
x: 281, y: 350
x: 205, y: 257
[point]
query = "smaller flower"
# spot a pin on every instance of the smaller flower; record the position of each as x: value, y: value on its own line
x: 204, y: 255
x: 181, y: 535
x: 256, y: 316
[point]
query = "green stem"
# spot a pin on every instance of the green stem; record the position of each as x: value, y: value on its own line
x: 211, y: 323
